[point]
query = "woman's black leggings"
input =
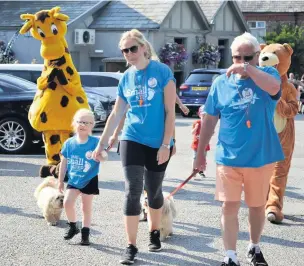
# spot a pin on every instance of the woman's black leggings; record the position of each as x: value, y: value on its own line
x: 140, y: 164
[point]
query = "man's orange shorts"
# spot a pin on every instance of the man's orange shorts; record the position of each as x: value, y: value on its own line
x: 231, y: 181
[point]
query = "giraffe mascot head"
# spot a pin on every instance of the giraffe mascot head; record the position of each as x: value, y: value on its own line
x: 59, y: 91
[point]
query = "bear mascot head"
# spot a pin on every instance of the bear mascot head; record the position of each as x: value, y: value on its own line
x: 276, y: 55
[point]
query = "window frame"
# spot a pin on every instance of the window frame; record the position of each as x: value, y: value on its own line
x: 256, y: 24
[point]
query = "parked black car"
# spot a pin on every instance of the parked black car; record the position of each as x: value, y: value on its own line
x: 16, y: 96
x: 16, y: 133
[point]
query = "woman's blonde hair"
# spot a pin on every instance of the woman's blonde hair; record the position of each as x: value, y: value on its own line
x: 83, y: 112
x: 140, y: 38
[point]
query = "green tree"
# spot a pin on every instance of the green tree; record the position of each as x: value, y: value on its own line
x: 294, y: 36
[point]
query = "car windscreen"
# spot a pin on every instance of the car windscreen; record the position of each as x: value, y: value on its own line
x: 202, y: 77
x: 98, y: 81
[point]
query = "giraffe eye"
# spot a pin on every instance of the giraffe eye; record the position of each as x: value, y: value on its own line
x: 54, y: 29
x: 41, y: 33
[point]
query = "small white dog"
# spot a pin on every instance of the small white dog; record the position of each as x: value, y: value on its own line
x: 49, y: 200
x: 168, y: 214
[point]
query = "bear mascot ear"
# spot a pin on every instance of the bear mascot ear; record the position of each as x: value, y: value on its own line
x: 288, y: 48
x: 262, y: 45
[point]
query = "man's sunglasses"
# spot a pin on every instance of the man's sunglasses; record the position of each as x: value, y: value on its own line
x: 245, y: 57
x: 132, y: 49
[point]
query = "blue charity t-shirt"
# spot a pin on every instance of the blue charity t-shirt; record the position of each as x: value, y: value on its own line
x: 143, y: 90
x: 238, y: 145
x: 81, y: 167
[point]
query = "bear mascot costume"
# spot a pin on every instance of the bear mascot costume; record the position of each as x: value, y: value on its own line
x: 59, y: 92
x: 279, y: 56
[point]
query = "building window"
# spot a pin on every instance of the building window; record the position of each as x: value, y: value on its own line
x: 257, y: 24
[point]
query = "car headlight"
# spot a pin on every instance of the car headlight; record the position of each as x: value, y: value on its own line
x: 95, y: 103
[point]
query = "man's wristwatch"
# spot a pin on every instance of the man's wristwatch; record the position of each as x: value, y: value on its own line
x: 245, y: 66
x: 166, y: 146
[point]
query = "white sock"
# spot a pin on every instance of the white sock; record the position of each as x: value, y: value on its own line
x: 232, y: 255
x: 256, y: 246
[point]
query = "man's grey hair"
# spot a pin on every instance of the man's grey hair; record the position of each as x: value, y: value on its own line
x: 245, y: 38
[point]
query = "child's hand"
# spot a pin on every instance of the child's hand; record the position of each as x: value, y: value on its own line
x: 101, y: 157
x: 60, y: 187
x: 96, y: 152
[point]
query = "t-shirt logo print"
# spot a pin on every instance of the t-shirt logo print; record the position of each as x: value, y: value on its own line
x: 246, y: 98
x: 152, y: 82
x: 87, y: 167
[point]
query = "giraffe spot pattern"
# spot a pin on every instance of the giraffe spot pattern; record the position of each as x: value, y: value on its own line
x: 52, y: 85
x: 44, y: 68
x: 69, y: 70
x: 79, y: 99
x: 64, y: 101
x: 43, y: 117
x: 54, y: 139
x: 56, y: 157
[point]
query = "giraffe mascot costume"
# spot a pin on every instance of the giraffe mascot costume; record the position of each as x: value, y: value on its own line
x: 59, y: 94
x: 279, y: 55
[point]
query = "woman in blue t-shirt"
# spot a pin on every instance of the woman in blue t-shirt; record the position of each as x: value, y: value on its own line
x: 147, y: 92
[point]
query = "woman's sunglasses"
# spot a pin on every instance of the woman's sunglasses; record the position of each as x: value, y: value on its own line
x: 132, y: 49
x: 245, y: 57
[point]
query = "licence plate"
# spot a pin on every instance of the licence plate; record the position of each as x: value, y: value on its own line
x: 199, y: 88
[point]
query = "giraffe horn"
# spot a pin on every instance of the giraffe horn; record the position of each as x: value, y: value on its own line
x: 55, y: 10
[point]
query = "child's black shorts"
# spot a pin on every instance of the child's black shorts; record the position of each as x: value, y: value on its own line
x: 90, y: 189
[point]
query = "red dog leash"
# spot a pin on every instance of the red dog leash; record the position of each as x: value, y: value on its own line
x: 194, y: 172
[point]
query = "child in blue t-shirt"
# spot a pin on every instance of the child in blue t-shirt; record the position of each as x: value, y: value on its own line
x: 82, y: 170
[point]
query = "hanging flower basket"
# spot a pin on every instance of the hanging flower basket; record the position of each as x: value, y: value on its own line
x: 207, y: 55
x: 173, y: 54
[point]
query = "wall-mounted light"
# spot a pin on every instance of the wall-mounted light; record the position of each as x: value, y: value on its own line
x: 98, y: 51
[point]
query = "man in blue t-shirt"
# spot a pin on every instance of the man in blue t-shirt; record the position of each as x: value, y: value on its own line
x: 248, y: 145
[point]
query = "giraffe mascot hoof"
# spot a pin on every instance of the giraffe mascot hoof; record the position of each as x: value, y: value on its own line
x: 279, y: 56
x: 59, y: 92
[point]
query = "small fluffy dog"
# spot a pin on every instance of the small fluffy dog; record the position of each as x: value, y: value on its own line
x: 49, y: 200
x: 168, y: 214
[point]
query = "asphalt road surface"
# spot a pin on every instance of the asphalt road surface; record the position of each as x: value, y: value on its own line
x: 26, y: 239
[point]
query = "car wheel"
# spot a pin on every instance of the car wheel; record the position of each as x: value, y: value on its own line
x: 15, y: 136
x: 190, y: 114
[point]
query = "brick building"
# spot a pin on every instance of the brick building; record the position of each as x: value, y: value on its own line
x: 265, y: 16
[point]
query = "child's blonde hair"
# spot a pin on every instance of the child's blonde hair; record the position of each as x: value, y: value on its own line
x: 81, y: 113
x: 140, y: 38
